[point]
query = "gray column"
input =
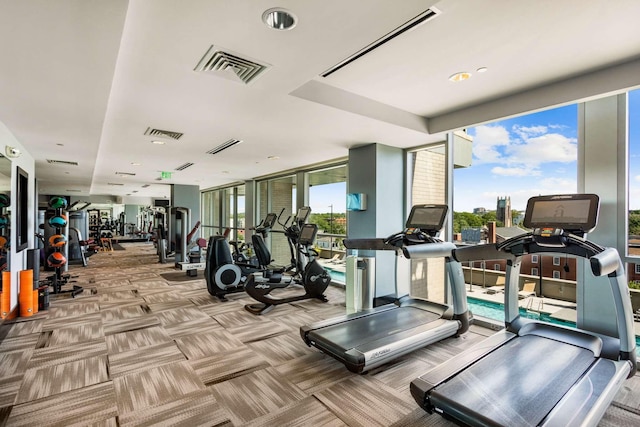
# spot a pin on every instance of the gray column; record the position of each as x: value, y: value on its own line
x: 187, y: 196
x: 602, y: 134
x: 378, y: 171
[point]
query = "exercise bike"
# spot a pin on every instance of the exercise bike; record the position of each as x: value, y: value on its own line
x: 305, y: 271
x: 223, y: 275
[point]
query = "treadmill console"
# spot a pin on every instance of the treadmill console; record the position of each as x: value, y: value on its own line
x: 550, y: 217
x: 427, y: 218
x: 423, y: 224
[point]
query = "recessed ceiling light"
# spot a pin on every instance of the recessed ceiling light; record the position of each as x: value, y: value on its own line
x: 279, y: 19
x: 224, y: 172
x: 135, y: 164
x: 158, y: 142
x: 459, y: 77
x: 482, y: 69
x: 60, y: 145
x: 273, y: 157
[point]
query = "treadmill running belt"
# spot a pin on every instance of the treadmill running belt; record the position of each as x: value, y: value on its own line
x: 515, y: 385
x: 356, y: 332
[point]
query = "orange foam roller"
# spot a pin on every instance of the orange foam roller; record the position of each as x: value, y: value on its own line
x: 5, y: 301
x: 35, y: 301
x: 25, y: 299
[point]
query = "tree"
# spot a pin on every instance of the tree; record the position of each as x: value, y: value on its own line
x: 634, y: 222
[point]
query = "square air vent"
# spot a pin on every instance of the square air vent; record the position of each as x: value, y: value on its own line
x: 230, y: 65
x: 163, y: 133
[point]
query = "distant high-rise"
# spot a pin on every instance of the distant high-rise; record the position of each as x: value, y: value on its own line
x: 503, y: 211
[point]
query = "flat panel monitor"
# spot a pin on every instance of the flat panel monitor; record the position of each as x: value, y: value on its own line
x: 427, y: 217
x: 308, y: 234
x: 303, y: 214
x: 572, y: 212
x: 269, y: 220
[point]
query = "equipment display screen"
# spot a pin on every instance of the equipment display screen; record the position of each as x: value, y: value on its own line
x: 569, y: 212
x: 303, y: 213
x: 308, y: 234
x: 269, y: 220
x: 427, y: 217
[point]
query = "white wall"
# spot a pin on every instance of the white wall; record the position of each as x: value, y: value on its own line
x: 26, y: 162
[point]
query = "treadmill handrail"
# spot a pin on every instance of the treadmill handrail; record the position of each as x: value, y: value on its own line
x: 429, y: 250
x: 373, y: 244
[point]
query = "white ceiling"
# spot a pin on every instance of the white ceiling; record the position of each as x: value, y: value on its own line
x: 82, y: 80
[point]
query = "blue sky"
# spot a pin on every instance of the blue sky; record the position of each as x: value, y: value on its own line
x: 520, y: 158
x: 531, y: 155
x: 634, y: 149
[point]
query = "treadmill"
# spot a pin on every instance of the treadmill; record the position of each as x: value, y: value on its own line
x: 373, y: 337
x: 536, y: 373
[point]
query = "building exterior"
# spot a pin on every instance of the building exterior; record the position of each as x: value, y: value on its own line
x: 503, y: 211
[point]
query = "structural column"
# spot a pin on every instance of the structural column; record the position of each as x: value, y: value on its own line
x: 378, y: 171
x: 602, y: 148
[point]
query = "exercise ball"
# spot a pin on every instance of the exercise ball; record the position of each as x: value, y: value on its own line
x: 58, y: 202
x: 4, y: 243
x: 58, y: 221
x: 56, y: 259
x: 57, y: 240
x: 5, y: 201
x: 4, y: 220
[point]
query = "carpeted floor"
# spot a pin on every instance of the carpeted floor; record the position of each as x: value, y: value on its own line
x: 138, y: 348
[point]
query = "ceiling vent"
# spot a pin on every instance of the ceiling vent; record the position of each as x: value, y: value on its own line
x: 183, y: 167
x: 146, y: 185
x: 163, y: 133
x: 62, y: 162
x: 230, y: 65
x: 412, y: 23
x: 230, y: 143
x: 114, y: 183
x: 125, y: 174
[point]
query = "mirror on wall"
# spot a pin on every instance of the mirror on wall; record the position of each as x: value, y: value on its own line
x: 21, y: 211
x: 5, y: 210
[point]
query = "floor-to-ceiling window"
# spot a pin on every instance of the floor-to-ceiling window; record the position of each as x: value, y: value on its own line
x: 277, y: 196
x: 223, y: 211
x: 513, y: 160
x: 327, y: 194
x: 633, y: 164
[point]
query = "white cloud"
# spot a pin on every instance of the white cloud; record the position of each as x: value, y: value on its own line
x: 551, y: 147
x: 526, y: 132
x: 486, y: 141
x: 556, y: 185
x: 636, y: 178
x: 515, y: 171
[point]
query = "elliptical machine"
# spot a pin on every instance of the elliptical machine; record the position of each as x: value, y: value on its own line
x: 223, y: 275
x: 305, y: 269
